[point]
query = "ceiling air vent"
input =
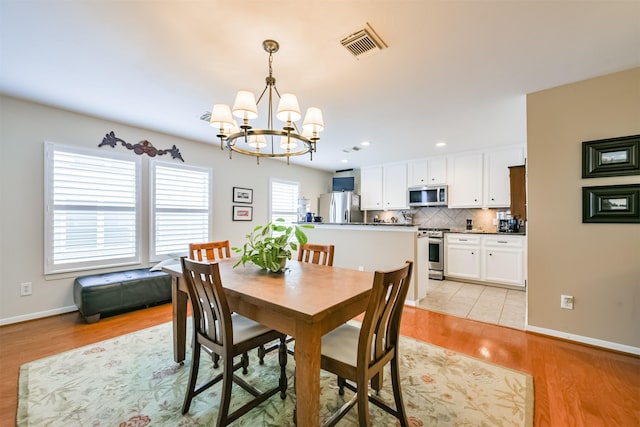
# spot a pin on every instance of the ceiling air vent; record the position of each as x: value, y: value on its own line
x: 363, y: 43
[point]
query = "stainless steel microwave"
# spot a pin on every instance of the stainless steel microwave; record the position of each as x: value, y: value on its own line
x: 428, y: 196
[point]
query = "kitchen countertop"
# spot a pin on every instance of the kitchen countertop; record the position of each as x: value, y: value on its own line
x: 405, y: 226
x: 392, y: 224
x: 382, y: 227
x: 478, y: 231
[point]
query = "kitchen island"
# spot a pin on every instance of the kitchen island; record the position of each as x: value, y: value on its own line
x: 371, y: 247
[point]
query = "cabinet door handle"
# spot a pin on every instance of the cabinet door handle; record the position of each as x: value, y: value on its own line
x: 473, y: 253
x: 490, y: 254
x: 502, y: 241
x: 462, y: 240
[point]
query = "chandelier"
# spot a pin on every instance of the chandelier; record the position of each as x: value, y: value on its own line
x: 270, y: 142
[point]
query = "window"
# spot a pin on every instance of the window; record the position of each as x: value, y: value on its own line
x: 180, y: 205
x: 92, y: 206
x: 284, y: 200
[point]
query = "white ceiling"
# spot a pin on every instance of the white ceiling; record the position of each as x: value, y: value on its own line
x: 456, y: 71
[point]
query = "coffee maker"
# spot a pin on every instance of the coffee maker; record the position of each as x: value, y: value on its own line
x: 506, y: 223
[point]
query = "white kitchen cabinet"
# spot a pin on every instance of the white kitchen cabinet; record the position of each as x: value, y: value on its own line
x: 384, y: 187
x: 428, y: 171
x: 371, y: 188
x: 394, y: 192
x: 465, y: 183
x: 496, y: 177
x: 503, y: 259
x: 462, y: 259
x: 418, y: 172
x: 491, y: 258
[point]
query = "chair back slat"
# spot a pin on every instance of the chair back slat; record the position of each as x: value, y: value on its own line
x: 211, y: 314
x: 381, y: 324
x: 316, y: 254
x: 209, y: 251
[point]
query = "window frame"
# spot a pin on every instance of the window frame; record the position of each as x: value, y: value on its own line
x: 49, y: 210
x: 153, y: 163
x: 283, y: 181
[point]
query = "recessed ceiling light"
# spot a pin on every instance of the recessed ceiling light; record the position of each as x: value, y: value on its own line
x: 440, y: 144
x: 344, y: 161
x: 365, y: 143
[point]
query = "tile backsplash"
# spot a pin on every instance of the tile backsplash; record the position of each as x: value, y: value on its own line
x: 436, y: 217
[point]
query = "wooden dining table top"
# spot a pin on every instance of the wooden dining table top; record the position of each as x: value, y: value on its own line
x: 308, y: 292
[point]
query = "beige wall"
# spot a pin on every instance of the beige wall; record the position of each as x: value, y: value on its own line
x: 25, y: 126
x: 599, y: 264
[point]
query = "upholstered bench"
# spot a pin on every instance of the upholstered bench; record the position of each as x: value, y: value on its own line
x: 99, y: 294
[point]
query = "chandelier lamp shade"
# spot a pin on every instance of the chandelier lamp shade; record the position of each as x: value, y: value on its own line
x: 252, y: 141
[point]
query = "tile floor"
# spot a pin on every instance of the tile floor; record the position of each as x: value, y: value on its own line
x: 488, y: 304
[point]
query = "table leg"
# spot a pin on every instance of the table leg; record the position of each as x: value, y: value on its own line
x: 179, y: 305
x: 307, y: 356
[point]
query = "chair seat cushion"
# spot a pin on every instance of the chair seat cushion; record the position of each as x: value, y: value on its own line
x: 341, y: 344
x: 245, y: 329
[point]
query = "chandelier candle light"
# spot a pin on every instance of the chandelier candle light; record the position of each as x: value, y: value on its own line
x: 289, y: 140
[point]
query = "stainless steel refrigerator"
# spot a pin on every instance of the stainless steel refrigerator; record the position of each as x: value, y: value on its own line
x: 340, y: 207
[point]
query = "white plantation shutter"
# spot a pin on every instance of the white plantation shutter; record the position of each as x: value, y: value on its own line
x: 91, y: 208
x: 284, y: 200
x: 180, y: 205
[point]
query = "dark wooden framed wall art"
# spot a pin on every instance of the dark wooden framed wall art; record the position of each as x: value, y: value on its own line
x: 611, y: 157
x: 607, y: 158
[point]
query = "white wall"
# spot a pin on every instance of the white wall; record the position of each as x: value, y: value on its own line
x: 24, y: 127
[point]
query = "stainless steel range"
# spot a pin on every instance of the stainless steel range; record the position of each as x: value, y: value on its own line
x: 434, y: 250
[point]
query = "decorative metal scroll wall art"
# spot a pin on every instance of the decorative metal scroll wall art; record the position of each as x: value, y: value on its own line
x: 142, y: 147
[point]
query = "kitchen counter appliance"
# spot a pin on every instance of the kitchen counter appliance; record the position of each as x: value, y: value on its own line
x: 434, y: 250
x: 507, y: 223
x: 340, y: 207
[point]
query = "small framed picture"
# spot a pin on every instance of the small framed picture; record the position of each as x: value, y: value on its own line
x: 243, y: 213
x: 611, y: 204
x: 611, y: 157
x: 242, y: 195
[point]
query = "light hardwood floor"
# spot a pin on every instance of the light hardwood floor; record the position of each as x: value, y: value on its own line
x: 575, y: 385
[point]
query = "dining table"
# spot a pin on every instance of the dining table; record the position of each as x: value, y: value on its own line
x: 305, y: 301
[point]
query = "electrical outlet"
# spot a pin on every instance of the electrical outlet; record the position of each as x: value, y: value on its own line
x: 361, y: 268
x: 566, y: 301
x: 26, y: 289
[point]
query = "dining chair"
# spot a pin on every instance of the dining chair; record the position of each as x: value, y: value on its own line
x: 210, y: 250
x: 207, y: 252
x: 316, y: 254
x: 359, y: 354
x: 310, y: 253
x: 226, y: 334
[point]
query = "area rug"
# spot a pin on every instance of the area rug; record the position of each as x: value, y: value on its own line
x: 132, y: 381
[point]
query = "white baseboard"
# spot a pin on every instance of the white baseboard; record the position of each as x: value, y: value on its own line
x: 38, y: 315
x: 411, y: 303
x: 585, y: 340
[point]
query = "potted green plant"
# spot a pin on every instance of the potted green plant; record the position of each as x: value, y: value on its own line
x: 270, y: 246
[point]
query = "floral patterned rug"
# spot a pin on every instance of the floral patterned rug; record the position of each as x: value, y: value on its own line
x: 132, y: 381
